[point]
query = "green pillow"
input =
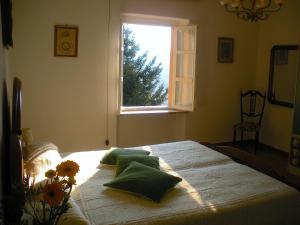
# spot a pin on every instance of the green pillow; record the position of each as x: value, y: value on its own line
x: 111, y: 157
x: 123, y: 161
x: 144, y: 180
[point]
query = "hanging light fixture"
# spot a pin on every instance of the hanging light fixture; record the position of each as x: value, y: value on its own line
x: 252, y: 10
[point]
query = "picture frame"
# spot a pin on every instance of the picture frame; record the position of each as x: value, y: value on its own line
x: 65, y: 40
x: 225, y: 50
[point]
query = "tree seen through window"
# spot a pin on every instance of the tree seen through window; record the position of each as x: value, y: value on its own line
x: 143, y: 83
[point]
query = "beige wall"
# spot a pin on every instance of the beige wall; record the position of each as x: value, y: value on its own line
x: 155, y: 128
x: 65, y: 99
x: 135, y: 130
x: 217, y: 85
x: 280, y: 28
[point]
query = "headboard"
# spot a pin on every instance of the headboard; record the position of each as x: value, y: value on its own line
x: 13, y: 200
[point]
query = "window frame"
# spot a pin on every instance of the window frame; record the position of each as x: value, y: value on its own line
x: 141, y: 19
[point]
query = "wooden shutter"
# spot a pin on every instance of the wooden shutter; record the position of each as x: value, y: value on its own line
x: 182, y: 68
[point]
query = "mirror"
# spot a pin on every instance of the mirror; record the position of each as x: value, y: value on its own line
x: 283, y: 75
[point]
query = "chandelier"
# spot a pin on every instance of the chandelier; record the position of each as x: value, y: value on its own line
x: 252, y: 10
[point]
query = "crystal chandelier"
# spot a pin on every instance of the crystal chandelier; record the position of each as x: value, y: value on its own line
x: 252, y: 10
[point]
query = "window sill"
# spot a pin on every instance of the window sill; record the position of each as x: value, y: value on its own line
x: 148, y: 110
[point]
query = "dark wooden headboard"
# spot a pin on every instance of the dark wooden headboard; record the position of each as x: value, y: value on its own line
x: 4, y: 140
x: 13, y: 193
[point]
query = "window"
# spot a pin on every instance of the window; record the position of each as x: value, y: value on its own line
x: 161, y: 78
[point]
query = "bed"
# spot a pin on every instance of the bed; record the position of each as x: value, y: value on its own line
x: 214, y: 190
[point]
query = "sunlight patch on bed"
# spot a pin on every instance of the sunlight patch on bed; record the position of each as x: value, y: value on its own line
x: 88, y: 162
x: 211, y: 206
x: 184, y: 184
x: 90, y: 168
x: 193, y: 193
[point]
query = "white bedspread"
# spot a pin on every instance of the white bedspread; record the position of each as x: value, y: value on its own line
x: 215, y: 190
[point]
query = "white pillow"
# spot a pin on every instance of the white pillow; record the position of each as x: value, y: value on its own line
x: 38, y: 165
x: 36, y: 148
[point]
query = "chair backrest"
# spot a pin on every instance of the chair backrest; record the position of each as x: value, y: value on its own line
x: 252, y: 106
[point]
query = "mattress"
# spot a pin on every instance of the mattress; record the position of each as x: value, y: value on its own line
x: 215, y: 190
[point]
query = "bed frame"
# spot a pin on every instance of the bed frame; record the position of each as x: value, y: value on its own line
x: 12, y: 161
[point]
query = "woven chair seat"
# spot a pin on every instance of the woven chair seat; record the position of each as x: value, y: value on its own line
x: 247, y: 126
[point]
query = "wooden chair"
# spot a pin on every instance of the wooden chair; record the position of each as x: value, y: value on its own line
x: 252, y: 109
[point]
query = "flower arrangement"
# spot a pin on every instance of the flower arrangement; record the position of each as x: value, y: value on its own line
x: 47, y: 201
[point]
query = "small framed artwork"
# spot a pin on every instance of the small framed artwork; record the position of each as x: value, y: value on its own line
x: 225, y: 50
x: 281, y: 57
x: 65, y: 40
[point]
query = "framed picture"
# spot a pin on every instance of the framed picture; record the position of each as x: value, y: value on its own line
x: 281, y: 57
x: 65, y: 40
x: 225, y: 50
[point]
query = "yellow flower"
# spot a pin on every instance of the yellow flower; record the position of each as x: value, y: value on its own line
x: 72, y: 181
x: 68, y: 168
x: 50, y: 173
x: 53, y: 193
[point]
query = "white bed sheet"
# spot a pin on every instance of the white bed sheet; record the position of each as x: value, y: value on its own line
x: 215, y: 190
